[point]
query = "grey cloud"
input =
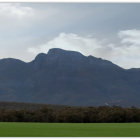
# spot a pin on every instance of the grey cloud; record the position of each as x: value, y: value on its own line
x: 125, y: 55
x: 45, y: 23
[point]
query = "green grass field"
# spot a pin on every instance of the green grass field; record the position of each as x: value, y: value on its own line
x: 69, y: 129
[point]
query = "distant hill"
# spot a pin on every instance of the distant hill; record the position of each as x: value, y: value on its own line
x: 68, y: 78
x: 7, y: 106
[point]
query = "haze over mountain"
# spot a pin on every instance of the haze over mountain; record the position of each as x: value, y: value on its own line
x: 70, y: 78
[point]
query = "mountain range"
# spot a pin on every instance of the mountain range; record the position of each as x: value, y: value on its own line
x: 68, y: 78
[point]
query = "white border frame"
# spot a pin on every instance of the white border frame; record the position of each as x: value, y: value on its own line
x: 74, y: 1
x: 70, y: 1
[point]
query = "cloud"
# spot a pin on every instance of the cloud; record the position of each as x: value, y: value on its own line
x: 125, y: 53
x: 69, y: 42
x: 15, y: 10
x: 15, y: 17
x: 37, y: 26
x: 87, y: 45
x: 130, y: 36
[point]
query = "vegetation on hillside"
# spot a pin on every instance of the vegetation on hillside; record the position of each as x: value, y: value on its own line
x: 102, y: 114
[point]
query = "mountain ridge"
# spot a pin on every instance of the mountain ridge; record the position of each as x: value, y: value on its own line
x: 58, y: 50
x: 70, y: 78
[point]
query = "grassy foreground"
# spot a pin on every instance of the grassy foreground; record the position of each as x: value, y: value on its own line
x: 13, y: 129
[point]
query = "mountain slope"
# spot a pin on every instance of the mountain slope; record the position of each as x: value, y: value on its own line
x: 68, y: 77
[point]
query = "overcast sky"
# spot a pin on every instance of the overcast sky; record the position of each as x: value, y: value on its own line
x: 109, y: 31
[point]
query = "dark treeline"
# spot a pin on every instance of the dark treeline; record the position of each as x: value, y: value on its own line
x: 103, y: 114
